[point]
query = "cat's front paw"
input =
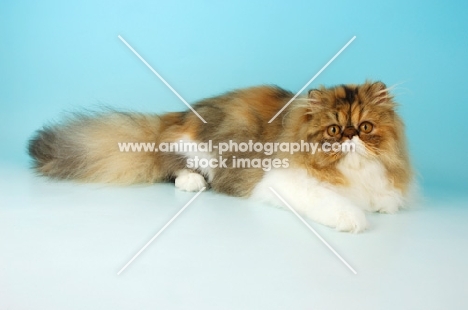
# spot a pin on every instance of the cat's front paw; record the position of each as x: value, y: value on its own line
x: 389, y: 203
x: 351, y: 220
x: 339, y: 214
x: 190, y: 182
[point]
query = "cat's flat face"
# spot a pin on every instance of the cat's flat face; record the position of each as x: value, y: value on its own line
x: 344, y: 112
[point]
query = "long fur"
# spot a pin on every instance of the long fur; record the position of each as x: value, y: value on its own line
x: 85, y: 147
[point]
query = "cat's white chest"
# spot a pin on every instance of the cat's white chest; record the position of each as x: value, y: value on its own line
x: 369, y: 185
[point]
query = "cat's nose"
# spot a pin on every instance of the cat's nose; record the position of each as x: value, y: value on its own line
x: 350, y: 132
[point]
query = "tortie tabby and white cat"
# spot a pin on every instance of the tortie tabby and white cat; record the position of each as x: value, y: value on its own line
x: 331, y: 188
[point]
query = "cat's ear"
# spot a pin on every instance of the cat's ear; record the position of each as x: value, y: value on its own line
x: 314, y: 96
x: 379, y: 93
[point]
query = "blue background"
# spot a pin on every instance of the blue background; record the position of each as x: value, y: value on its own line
x: 63, y: 56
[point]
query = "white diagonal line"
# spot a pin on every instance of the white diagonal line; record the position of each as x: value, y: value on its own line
x: 313, y: 230
x: 162, y: 79
x: 313, y: 78
x: 160, y: 231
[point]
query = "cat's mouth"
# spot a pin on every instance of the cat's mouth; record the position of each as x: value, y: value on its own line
x: 356, y: 146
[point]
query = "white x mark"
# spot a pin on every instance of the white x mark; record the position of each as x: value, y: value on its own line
x: 201, y: 118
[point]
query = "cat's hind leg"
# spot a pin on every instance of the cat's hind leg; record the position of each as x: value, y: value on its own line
x: 190, y: 181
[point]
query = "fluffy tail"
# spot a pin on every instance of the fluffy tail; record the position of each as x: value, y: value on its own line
x: 86, y: 148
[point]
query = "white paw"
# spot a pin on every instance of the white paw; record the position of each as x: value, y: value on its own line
x: 339, y: 214
x: 388, y: 204
x: 190, y: 182
x: 351, y: 220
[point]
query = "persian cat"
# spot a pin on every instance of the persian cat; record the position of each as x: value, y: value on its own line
x: 332, y: 187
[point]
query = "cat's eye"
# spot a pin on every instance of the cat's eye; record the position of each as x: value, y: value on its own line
x: 366, y: 127
x: 333, y: 130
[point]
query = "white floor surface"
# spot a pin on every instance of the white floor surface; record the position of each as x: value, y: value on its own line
x: 62, y: 244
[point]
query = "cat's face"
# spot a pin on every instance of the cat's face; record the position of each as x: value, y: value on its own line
x: 363, y: 112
